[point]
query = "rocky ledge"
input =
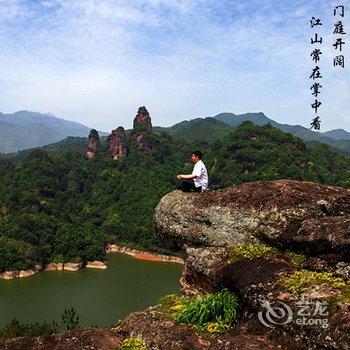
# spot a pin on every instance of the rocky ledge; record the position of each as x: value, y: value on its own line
x: 305, y: 216
x: 270, y: 242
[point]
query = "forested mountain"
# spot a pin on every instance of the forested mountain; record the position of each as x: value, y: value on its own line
x: 26, y: 129
x: 58, y: 205
x: 74, y: 144
x: 198, y: 129
x: 210, y: 128
x: 251, y: 153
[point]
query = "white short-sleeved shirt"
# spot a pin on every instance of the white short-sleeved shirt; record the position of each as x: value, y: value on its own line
x: 202, y: 175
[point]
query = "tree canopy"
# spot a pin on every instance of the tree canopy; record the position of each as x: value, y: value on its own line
x: 58, y: 205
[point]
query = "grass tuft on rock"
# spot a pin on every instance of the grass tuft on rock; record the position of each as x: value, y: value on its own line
x: 209, y: 313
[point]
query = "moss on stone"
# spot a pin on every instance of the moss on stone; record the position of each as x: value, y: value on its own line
x: 345, y: 296
x: 249, y: 251
x: 303, y: 280
x: 295, y: 258
x: 133, y: 344
x: 170, y: 305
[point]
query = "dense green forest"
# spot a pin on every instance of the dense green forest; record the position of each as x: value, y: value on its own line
x: 58, y: 205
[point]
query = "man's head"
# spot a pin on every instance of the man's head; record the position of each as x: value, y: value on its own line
x: 196, y: 156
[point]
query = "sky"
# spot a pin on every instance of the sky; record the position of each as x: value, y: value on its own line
x: 97, y: 61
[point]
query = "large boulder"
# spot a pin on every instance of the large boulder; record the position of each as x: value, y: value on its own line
x: 305, y: 216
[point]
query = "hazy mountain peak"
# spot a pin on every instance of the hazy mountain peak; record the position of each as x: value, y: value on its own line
x: 338, y: 134
x: 25, y: 113
x: 27, y: 129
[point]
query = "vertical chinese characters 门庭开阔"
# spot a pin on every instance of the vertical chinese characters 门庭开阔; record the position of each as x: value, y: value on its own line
x: 338, y: 31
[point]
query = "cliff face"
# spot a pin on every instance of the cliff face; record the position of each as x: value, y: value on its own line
x: 116, y: 144
x: 93, y: 143
x: 269, y: 242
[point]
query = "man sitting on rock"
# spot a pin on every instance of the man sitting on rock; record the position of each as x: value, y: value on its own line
x: 198, y: 180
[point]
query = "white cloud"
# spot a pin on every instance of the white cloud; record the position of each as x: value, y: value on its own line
x: 96, y: 61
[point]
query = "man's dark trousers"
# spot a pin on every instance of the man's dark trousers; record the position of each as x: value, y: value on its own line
x: 189, y: 186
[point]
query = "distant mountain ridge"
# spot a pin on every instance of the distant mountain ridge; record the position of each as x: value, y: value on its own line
x: 338, y: 138
x: 25, y: 129
x: 260, y: 118
x: 209, y: 128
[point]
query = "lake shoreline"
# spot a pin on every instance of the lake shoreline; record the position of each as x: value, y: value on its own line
x: 69, y: 266
x: 144, y: 255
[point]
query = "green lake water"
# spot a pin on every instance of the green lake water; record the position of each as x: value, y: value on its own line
x: 100, y: 297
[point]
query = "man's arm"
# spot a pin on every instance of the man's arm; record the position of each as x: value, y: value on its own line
x: 186, y: 177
